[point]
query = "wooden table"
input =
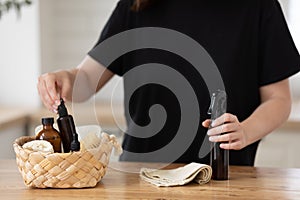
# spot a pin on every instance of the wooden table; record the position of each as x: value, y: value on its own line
x: 11, y: 116
x: 244, y: 183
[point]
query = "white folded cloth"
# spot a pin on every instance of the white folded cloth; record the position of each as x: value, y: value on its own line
x: 199, y: 173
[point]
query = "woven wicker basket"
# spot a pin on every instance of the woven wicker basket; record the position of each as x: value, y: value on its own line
x: 62, y: 170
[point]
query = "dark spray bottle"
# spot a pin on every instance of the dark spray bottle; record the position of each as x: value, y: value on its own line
x: 67, y: 129
x: 219, y: 158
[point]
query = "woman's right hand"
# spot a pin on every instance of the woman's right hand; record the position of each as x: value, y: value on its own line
x: 90, y: 77
x: 55, y: 85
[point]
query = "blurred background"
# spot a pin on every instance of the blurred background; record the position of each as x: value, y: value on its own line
x: 56, y: 34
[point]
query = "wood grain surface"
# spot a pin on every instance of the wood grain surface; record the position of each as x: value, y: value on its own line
x: 244, y: 183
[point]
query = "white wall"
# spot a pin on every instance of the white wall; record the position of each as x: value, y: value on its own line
x: 294, y: 24
x: 285, y: 6
x: 272, y: 154
x: 50, y: 35
x: 19, y: 57
x: 69, y: 29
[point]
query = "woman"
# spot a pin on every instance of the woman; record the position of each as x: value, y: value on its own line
x: 249, y: 42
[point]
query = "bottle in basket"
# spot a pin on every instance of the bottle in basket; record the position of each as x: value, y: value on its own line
x: 67, y: 129
x: 50, y: 134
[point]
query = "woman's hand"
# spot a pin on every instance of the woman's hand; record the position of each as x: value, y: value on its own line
x: 56, y: 85
x: 77, y: 84
x: 233, y: 134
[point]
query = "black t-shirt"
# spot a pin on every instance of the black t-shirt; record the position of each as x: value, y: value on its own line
x: 249, y: 42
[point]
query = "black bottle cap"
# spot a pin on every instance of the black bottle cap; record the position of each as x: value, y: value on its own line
x: 47, y: 121
x: 62, y: 110
x: 75, y: 144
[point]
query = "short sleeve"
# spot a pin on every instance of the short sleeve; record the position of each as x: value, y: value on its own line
x: 278, y: 55
x: 117, y: 23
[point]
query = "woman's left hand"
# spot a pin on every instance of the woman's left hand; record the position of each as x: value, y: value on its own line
x: 233, y: 134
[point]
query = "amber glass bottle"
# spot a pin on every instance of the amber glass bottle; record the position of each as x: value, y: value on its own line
x: 50, y: 134
x: 67, y: 129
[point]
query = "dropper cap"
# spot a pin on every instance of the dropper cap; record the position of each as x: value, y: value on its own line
x: 75, y: 144
x: 62, y: 110
x: 47, y: 120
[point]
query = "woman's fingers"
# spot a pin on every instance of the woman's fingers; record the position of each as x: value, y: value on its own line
x: 65, y: 90
x: 53, y: 86
x: 225, y: 118
x: 224, y: 128
x: 236, y: 145
x: 229, y: 141
x: 48, y: 91
x: 50, y: 81
x: 229, y: 137
x: 45, y: 97
x: 206, y: 123
x: 227, y: 131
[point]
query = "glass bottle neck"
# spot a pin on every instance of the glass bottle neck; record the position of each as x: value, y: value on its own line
x: 47, y: 126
